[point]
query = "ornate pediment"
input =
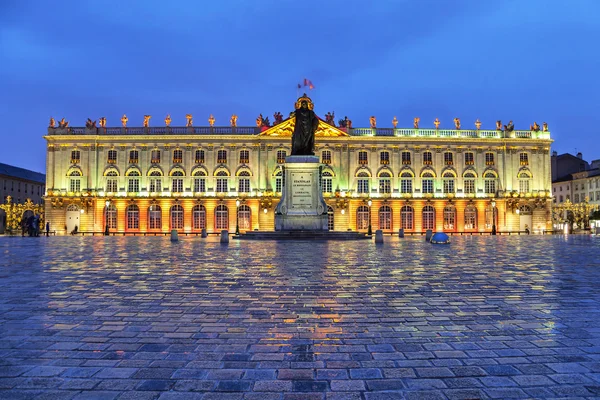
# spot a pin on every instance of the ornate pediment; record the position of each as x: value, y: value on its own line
x: 286, y: 128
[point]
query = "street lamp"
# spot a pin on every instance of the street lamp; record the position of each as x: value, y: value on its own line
x: 369, y: 231
x: 106, y: 218
x: 493, y: 217
x: 237, y: 218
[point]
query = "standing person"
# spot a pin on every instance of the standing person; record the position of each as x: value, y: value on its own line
x: 23, y: 226
x: 47, y: 228
x: 36, y: 225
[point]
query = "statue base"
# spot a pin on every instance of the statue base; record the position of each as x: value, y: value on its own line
x: 302, y: 207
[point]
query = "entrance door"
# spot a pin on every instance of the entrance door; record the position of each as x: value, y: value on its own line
x: 73, y: 215
x: 525, y: 218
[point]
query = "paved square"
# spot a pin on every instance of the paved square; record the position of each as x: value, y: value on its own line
x: 142, y: 318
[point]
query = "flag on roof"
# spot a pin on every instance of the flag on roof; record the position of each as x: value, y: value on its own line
x: 308, y: 83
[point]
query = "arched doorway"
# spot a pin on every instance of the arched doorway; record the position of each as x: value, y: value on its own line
x: 525, y: 218
x: 72, y: 216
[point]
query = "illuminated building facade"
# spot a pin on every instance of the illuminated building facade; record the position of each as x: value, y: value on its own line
x: 153, y: 179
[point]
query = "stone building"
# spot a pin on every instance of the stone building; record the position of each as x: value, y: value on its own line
x: 20, y: 184
x: 154, y: 179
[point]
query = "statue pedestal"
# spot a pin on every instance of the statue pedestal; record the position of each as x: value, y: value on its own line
x: 302, y: 207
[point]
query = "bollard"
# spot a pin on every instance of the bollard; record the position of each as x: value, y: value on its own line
x: 203, y: 234
x: 174, y: 235
x: 378, y: 236
x: 224, y: 236
x: 428, y: 234
x: 401, y: 233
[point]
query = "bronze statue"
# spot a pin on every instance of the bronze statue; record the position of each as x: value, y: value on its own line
x: 277, y: 118
x: 457, y: 123
x: 233, y: 120
x: 535, y: 127
x: 478, y: 124
x: 303, y: 138
x: 416, y: 122
x: 373, y: 121
x: 52, y: 123
x: 259, y: 121
x: 188, y: 120
x: 395, y: 122
x: 147, y: 120
x: 89, y: 124
x: 102, y: 122
x: 499, y: 125
x: 545, y: 126
x: 168, y: 120
x: 510, y: 127
x: 437, y: 123
x: 330, y: 118
x: 124, y: 120
x: 63, y: 124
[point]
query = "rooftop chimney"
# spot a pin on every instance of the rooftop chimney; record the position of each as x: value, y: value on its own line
x: 580, y: 156
x: 554, y: 153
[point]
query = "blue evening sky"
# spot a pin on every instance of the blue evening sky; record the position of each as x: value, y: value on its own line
x: 525, y: 60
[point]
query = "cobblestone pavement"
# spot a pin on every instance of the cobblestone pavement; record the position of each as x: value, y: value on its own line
x: 142, y: 318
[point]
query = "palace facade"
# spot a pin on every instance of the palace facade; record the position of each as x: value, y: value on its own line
x: 155, y: 179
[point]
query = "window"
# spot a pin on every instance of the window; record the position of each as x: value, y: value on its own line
x: 489, y: 180
x: 111, y: 181
x: 199, y: 157
x: 489, y: 217
x: 244, y: 182
x: 221, y: 217
x: 26, y: 189
x: 428, y: 218
x: 448, y: 158
x: 177, y: 182
x: 524, y: 179
x: 406, y: 182
x: 330, y: 224
x: 448, y: 181
x: 133, y: 182
x: 327, y: 182
x: 406, y: 158
x: 155, y: 157
x: 244, y: 156
x: 469, y: 158
x: 281, y: 154
x: 449, y: 218
x: 384, y: 158
x: 427, y: 158
x: 469, y: 183
x: 561, y: 198
x: 154, y: 217
x: 362, y: 218
x: 489, y: 158
x: 222, y: 157
x: 362, y: 158
x: 470, y: 218
x: 576, y: 198
x: 279, y: 182
x: 199, y: 182
x: 133, y: 157
x: 385, y: 217
x: 222, y: 181
x: 133, y: 217
x: 177, y: 156
x: 362, y: 185
x: 597, y: 196
x: 523, y: 159
x: 244, y: 216
x: 74, y: 182
x: 199, y: 217
x: 427, y: 182
x: 155, y: 181
x: 385, y: 183
x: 110, y: 216
x: 406, y: 217
x: 176, y: 217
x: 75, y: 157
x: 326, y: 157
x: 112, y: 157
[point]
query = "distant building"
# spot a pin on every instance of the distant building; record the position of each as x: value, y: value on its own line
x: 575, y: 179
x: 21, y: 184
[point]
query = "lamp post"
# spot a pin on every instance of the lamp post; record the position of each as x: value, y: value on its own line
x: 237, y: 218
x: 369, y: 231
x: 493, y: 217
x: 106, y: 218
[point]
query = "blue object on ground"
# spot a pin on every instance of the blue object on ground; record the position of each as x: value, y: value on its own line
x: 440, y: 238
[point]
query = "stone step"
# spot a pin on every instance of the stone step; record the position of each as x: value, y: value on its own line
x: 302, y: 235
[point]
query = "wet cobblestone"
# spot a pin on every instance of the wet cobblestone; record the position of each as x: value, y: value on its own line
x: 144, y: 318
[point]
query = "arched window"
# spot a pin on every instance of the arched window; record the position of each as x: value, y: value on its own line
x: 330, y: 218
x: 449, y: 218
x: 177, y: 181
x: 75, y: 181
x: 133, y: 181
x: 362, y: 183
x: 385, y: 218
x: 489, y: 216
x: 469, y: 183
x: 110, y: 216
x: 470, y: 218
x: 428, y: 218
x: 524, y: 179
x: 362, y: 218
x: 176, y: 217
x: 489, y: 180
x: 406, y: 217
x: 155, y: 181
x: 427, y: 182
x: 199, y: 181
x: 448, y: 179
x: 154, y: 217
x: 406, y: 182
x: 279, y: 181
x: 327, y: 182
x: 198, y: 217
x: 244, y: 217
x: 244, y: 182
x: 385, y: 182
x: 221, y: 217
x: 133, y: 217
x: 222, y: 181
